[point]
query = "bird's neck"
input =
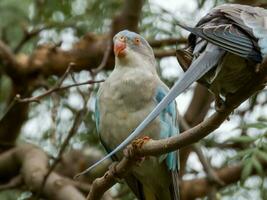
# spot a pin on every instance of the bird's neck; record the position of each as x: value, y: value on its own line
x: 147, y: 64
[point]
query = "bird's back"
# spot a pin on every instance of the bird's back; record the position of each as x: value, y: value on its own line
x: 228, y: 28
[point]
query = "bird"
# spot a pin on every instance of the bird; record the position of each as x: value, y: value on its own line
x: 229, y: 41
x: 126, y: 97
x: 224, y: 50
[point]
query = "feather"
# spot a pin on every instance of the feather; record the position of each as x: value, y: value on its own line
x: 232, y: 41
x: 184, y: 58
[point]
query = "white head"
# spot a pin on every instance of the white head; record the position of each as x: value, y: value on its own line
x: 131, y: 49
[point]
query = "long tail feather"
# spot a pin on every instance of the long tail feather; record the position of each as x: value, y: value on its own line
x: 175, y: 185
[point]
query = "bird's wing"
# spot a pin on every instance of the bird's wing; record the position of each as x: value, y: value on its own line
x: 254, y: 21
x: 228, y: 37
x: 168, y: 123
x: 169, y: 127
x: 239, y: 29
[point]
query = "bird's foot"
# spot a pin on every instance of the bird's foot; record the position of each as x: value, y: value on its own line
x: 136, y: 144
x: 139, y: 142
x: 113, y: 171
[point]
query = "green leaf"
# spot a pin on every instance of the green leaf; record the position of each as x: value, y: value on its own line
x: 264, y: 193
x: 261, y: 154
x: 243, y: 139
x: 262, y: 119
x: 257, y: 165
x: 247, y: 169
x: 264, y: 145
x: 244, y: 153
x: 257, y: 125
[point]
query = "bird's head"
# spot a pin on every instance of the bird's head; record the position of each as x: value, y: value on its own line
x: 130, y: 46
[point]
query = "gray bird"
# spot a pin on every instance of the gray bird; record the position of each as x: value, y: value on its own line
x: 229, y: 42
x: 224, y: 50
x: 127, y: 96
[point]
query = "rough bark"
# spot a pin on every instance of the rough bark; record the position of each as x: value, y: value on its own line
x: 32, y: 164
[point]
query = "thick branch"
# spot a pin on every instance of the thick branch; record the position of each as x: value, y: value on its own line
x: 32, y: 163
x: 8, y: 57
x: 195, y: 188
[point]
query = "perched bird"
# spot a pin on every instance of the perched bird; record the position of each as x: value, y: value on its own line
x: 230, y: 41
x: 127, y: 96
x: 223, y: 52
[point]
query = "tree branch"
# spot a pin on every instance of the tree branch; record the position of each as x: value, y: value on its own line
x: 196, y: 112
x: 13, y: 183
x: 196, y: 188
x: 167, y: 42
x: 32, y: 164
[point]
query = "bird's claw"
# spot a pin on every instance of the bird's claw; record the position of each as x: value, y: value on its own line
x: 137, y: 143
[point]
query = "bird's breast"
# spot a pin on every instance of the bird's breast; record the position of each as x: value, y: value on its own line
x: 124, y: 101
x: 131, y: 90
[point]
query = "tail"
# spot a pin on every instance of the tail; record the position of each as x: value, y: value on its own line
x: 175, y: 186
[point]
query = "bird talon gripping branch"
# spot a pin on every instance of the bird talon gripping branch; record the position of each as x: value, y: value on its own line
x: 136, y: 144
x: 139, y: 142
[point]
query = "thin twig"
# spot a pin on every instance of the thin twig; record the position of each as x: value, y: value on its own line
x: 17, y: 98
x: 77, y: 121
x: 56, y: 88
x: 28, y: 35
x: 167, y: 41
x: 105, y: 57
x: 37, y: 98
x: 13, y: 102
x: 211, y: 174
x: 76, y: 124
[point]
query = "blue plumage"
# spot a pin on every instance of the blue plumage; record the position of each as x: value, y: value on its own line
x: 168, y: 125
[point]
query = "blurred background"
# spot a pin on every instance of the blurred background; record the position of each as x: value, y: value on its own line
x: 38, y: 41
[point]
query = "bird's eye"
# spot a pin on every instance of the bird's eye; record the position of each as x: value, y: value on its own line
x: 122, y: 38
x: 137, y: 41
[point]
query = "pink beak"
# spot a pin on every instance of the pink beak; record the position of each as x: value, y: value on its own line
x: 119, y: 48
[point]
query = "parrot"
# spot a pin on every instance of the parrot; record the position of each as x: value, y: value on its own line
x: 224, y: 50
x: 126, y: 97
